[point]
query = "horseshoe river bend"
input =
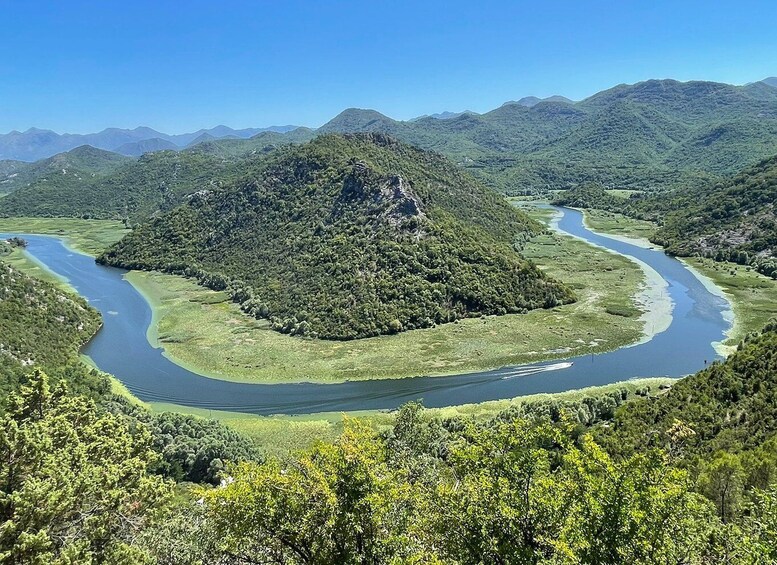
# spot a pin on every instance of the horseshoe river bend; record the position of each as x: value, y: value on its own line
x: 699, y: 320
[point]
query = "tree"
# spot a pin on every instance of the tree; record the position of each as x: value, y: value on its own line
x: 74, y: 486
x: 338, y: 503
x: 722, y: 480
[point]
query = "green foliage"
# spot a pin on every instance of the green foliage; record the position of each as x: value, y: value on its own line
x: 44, y: 326
x: 588, y: 195
x: 130, y: 192
x: 733, y: 221
x: 727, y: 406
x: 349, y: 237
x: 75, y: 486
x: 513, y: 492
x: 190, y: 448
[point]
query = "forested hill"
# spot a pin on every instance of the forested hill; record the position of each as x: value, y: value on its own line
x: 735, y: 221
x: 730, y: 405
x: 42, y: 326
x: 72, y: 169
x: 132, y: 191
x: 348, y: 237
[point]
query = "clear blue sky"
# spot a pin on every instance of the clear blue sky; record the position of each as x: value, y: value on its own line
x: 181, y: 65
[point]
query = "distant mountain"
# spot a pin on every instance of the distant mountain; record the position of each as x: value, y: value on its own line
x: 69, y: 171
x: 348, y: 237
x: 137, y: 148
x: 358, y: 120
x: 205, y: 137
x: 35, y: 144
x: 771, y: 81
x: 223, y: 132
x: 530, y: 101
x: 442, y: 115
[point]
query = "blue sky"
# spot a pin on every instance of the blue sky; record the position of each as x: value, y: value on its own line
x: 181, y: 65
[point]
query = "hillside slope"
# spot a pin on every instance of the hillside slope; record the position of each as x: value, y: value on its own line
x: 735, y: 220
x: 729, y: 405
x: 43, y: 326
x: 348, y: 237
x: 132, y: 190
x: 65, y: 170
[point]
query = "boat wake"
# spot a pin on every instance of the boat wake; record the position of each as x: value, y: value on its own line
x: 534, y: 369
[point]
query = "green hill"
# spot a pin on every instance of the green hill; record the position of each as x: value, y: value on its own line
x: 348, y: 237
x: 133, y: 189
x: 65, y: 171
x: 43, y: 326
x: 735, y: 220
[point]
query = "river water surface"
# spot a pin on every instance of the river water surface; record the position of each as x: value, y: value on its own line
x: 122, y: 348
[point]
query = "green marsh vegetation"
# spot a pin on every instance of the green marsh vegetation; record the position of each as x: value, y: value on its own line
x: 87, y: 236
x: 205, y: 332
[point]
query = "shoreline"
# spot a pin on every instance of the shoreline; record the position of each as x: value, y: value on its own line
x: 652, y: 300
x: 654, y: 296
x: 152, y: 335
x: 728, y: 314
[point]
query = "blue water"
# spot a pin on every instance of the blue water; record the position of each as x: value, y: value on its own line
x: 121, y: 347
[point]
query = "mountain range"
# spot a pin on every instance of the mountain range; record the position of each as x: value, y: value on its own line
x: 35, y: 144
x: 655, y: 135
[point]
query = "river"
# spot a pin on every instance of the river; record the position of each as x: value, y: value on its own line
x: 122, y: 348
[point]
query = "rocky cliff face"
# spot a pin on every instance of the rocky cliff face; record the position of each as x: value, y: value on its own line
x: 387, y: 199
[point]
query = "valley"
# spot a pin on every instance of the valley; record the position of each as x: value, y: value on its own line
x: 152, y: 381
x: 542, y: 333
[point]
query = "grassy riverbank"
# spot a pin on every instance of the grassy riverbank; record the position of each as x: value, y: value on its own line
x: 617, y: 224
x: 753, y: 296
x: 202, y: 330
x: 283, y: 435
x: 88, y: 236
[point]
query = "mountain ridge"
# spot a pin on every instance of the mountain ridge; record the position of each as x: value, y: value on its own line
x: 34, y: 143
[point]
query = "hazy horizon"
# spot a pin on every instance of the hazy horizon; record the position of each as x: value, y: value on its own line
x: 267, y: 126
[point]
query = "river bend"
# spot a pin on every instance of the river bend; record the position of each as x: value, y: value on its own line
x: 122, y: 348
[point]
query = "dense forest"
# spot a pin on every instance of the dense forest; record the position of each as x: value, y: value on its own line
x: 348, y: 237
x: 732, y: 220
x: 681, y: 475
